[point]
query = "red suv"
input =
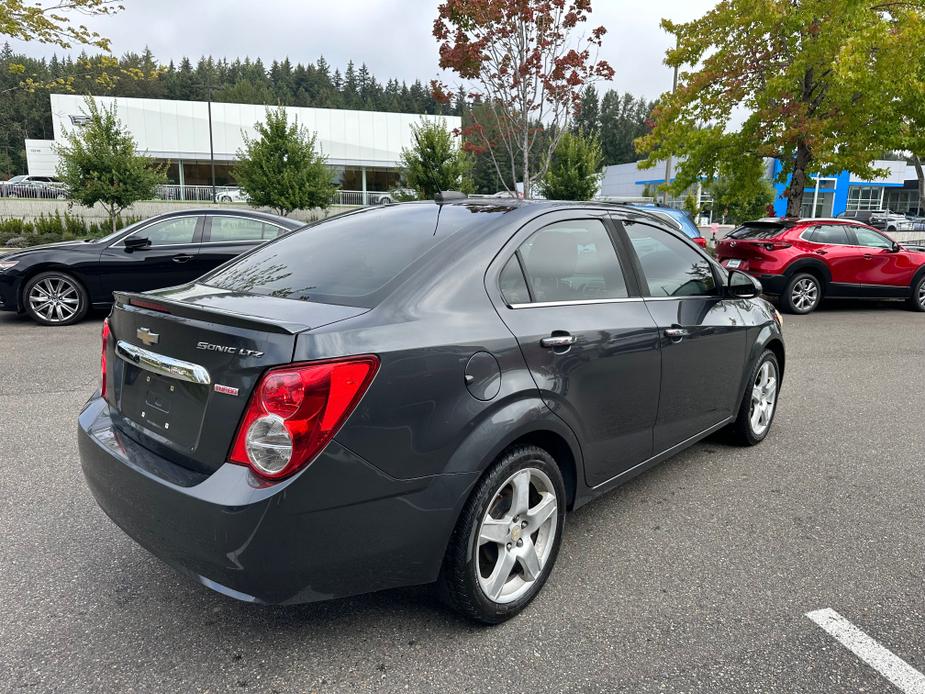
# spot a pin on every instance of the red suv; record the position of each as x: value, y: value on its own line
x: 804, y: 260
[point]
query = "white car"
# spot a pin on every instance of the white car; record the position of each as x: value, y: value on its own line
x: 231, y: 195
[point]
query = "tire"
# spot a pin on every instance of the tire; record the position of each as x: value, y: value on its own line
x: 68, y: 302
x: 519, y: 551
x: 802, y: 294
x: 748, y: 429
x: 385, y: 200
x: 224, y: 198
x: 917, y: 300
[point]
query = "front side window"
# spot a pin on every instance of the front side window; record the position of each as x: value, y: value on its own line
x: 670, y: 266
x: 573, y: 261
x: 170, y: 231
x: 871, y: 239
x: 829, y: 233
x: 229, y: 229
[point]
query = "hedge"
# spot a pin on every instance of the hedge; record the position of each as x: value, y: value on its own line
x: 18, y: 233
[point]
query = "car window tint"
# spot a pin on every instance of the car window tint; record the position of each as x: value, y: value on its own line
x: 271, y: 231
x: 236, y: 229
x: 513, y: 284
x: 829, y: 233
x: 757, y: 230
x: 170, y: 231
x: 869, y: 238
x: 352, y: 259
x: 670, y: 266
x: 573, y: 261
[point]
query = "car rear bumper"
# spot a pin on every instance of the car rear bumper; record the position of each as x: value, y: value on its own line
x: 338, y: 528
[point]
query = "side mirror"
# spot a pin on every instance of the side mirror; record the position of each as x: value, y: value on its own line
x: 135, y: 243
x: 895, y: 248
x: 742, y: 285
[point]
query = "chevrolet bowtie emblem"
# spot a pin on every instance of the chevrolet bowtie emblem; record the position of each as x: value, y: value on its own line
x: 147, y: 336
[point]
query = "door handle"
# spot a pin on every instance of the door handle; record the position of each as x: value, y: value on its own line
x: 868, y: 256
x: 558, y: 341
x: 677, y: 333
x: 182, y: 258
x: 821, y: 252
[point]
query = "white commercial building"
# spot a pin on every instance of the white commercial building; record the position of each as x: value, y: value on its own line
x: 362, y: 147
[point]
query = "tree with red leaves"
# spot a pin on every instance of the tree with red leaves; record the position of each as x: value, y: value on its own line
x: 527, y: 63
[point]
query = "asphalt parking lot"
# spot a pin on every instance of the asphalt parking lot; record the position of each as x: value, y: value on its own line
x: 695, y: 577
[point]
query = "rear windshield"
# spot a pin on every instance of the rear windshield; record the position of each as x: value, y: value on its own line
x: 757, y: 231
x: 348, y: 260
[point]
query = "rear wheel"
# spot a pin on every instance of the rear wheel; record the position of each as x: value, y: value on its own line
x: 802, y: 294
x: 756, y: 413
x: 507, y: 538
x: 55, y: 298
x: 917, y: 300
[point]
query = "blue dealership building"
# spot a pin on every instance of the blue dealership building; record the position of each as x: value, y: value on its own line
x: 829, y: 196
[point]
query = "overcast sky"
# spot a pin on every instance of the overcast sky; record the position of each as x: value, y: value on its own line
x: 393, y: 37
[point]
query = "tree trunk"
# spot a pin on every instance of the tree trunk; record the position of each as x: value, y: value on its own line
x: 798, y: 180
x: 920, y: 174
x: 112, y: 219
x: 526, y: 176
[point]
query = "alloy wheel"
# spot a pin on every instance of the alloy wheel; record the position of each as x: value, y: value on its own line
x: 805, y: 294
x: 517, y: 535
x: 56, y: 299
x: 764, y: 398
x: 921, y: 296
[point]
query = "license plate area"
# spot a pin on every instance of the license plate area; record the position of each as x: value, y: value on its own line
x: 169, y: 407
x: 733, y: 263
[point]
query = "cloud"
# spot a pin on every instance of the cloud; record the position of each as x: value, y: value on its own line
x: 393, y: 37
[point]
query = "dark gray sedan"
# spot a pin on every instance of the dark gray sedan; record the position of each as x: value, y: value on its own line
x: 418, y: 393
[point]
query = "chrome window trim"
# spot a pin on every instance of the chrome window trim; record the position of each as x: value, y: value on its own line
x: 146, y: 226
x: 623, y: 300
x: 575, y: 302
x: 162, y: 365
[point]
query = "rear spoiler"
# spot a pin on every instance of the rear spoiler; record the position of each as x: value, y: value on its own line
x: 133, y: 301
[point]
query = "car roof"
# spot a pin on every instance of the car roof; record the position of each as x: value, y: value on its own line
x: 233, y: 212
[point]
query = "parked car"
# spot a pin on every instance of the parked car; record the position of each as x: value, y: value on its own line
x: 396, y: 195
x: 804, y: 260
x: 58, y: 283
x: 891, y: 221
x: 27, y: 186
x: 862, y: 216
x: 678, y: 218
x: 419, y: 392
x: 231, y: 195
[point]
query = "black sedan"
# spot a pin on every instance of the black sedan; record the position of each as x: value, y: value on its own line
x: 58, y: 283
x: 418, y: 393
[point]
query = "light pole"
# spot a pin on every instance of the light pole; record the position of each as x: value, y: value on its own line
x: 211, y: 148
x: 674, y: 87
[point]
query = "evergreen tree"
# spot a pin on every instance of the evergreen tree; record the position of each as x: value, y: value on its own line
x: 575, y: 169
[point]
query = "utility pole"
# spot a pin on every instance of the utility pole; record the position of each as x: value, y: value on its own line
x: 674, y: 87
x: 211, y: 148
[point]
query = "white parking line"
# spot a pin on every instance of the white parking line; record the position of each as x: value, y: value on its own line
x: 903, y: 676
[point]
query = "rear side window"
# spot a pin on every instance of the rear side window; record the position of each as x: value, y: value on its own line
x: 344, y: 260
x: 834, y: 234
x: 513, y: 284
x: 671, y: 267
x: 573, y: 261
x: 756, y: 231
x: 229, y: 229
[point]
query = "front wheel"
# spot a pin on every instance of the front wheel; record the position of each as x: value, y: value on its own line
x: 917, y: 300
x: 55, y: 298
x: 756, y: 413
x: 802, y: 294
x: 507, y: 538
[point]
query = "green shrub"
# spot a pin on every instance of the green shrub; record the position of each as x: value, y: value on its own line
x: 19, y: 233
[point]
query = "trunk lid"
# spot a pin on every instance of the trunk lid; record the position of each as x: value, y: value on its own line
x: 183, y: 363
x: 755, y: 241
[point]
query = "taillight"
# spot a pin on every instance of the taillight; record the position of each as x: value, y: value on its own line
x: 105, y: 340
x: 776, y: 246
x: 296, y: 410
x: 700, y: 241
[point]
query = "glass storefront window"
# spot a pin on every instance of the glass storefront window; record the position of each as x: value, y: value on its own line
x: 863, y: 198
